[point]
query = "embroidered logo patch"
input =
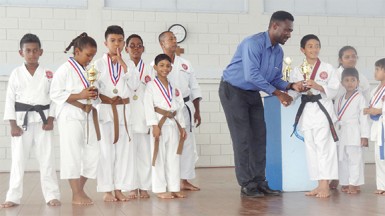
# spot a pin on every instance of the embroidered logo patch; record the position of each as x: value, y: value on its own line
x: 323, y: 75
x: 177, y: 92
x: 184, y: 66
x: 49, y: 74
x: 147, y: 78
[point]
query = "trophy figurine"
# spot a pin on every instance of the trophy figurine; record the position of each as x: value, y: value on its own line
x: 92, y: 75
x: 306, y: 71
x: 287, y: 69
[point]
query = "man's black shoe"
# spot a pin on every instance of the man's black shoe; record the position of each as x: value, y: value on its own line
x: 264, y: 188
x: 253, y: 192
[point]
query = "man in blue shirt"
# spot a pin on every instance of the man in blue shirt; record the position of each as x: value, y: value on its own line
x: 256, y: 66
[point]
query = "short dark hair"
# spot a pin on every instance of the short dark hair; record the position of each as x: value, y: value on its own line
x: 308, y: 37
x: 29, y: 38
x: 81, y: 42
x: 133, y: 36
x: 161, y: 35
x: 350, y: 72
x: 280, y: 16
x: 162, y: 57
x: 380, y: 63
x: 113, y: 29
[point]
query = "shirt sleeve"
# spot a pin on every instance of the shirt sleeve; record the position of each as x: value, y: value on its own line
x: 58, y: 91
x: 132, y: 77
x: 194, y: 86
x: 148, y: 102
x: 364, y: 119
x: 332, y: 86
x: 10, y: 98
x: 251, y: 60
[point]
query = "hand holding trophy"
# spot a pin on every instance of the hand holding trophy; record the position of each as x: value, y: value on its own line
x: 92, y: 75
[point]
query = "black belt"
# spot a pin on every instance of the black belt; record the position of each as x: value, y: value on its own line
x: 21, y: 107
x: 314, y: 99
x: 187, y: 99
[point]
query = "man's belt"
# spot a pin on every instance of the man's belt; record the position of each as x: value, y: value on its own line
x: 187, y: 99
x: 21, y: 107
x: 116, y: 101
x: 314, y: 99
x: 170, y: 115
x: 86, y: 108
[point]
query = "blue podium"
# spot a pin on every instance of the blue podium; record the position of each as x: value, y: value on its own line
x: 286, y: 166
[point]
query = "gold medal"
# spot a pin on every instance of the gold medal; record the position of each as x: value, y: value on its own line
x: 135, y: 97
x: 115, y: 91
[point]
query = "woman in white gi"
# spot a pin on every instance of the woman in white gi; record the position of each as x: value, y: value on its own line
x: 70, y: 90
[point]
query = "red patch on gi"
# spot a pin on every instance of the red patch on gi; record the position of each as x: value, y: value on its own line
x: 49, y: 74
x: 184, y: 66
x: 177, y: 92
x: 147, y: 78
x: 383, y: 98
x: 323, y: 75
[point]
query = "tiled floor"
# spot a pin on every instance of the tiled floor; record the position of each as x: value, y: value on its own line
x: 219, y: 197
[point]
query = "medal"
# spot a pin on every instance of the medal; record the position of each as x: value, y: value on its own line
x: 115, y: 91
x: 114, y: 73
x: 135, y: 97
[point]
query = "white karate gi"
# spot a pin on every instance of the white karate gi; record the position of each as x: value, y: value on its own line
x: 363, y: 87
x: 321, y: 149
x: 183, y: 76
x: 351, y: 127
x: 376, y: 136
x: 116, y: 163
x: 32, y: 90
x: 142, y: 146
x: 77, y: 157
x: 166, y: 172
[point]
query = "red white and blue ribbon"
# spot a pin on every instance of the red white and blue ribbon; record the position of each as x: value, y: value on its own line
x: 167, y: 93
x: 114, y: 74
x: 140, y: 68
x: 80, y: 71
x: 341, y: 110
x: 377, y: 97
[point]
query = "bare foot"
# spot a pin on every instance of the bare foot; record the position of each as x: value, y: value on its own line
x: 323, y: 193
x: 179, y: 194
x: 333, y: 184
x: 312, y: 193
x: 144, y: 194
x: 185, y: 185
x: 165, y: 195
x: 353, y: 189
x: 345, y: 189
x: 81, y: 199
x: 8, y: 204
x: 54, y: 202
x: 109, y: 197
x: 121, y: 197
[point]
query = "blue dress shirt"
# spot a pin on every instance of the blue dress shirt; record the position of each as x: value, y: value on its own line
x: 256, y: 65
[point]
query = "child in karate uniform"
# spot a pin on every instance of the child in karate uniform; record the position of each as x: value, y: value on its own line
x: 77, y: 118
x: 163, y: 109
x: 318, y: 116
x: 353, y: 131
x: 28, y: 106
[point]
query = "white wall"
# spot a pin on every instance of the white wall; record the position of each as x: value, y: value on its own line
x: 211, y: 42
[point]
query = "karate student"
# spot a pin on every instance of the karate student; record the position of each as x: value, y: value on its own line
x: 116, y: 162
x: 376, y: 110
x: 353, y: 131
x: 163, y: 103
x: 141, y: 136
x: 183, y: 76
x: 316, y: 116
x: 70, y: 90
x: 27, y: 106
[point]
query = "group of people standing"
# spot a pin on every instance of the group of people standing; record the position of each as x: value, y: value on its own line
x: 126, y: 123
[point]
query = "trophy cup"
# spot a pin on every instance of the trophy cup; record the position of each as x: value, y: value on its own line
x: 91, y: 75
x: 306, y: 71
x: 287, y: 69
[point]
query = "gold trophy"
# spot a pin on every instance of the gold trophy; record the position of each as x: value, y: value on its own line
x: 287, y: 69
x: 92, y: 75
x: 306, y: 71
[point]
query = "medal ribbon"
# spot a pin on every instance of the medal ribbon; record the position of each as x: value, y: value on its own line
x: 141, y: 68
x: 167, y: 93
x: 115, y: 76
x: 341, y: 110
x: 79, y: 70
x: 375, y: 100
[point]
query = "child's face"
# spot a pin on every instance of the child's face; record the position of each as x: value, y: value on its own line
x: 85, y: 56
x: 312, y: 49
x: 114, y: 43
x: 163, y: 68
x: 31, y: 53
x: 379, y: 74
x: 349, y: 59
x: 350, y: 83
x: 135, y: 48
